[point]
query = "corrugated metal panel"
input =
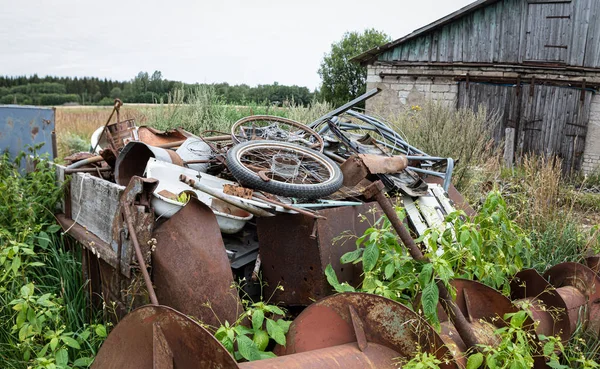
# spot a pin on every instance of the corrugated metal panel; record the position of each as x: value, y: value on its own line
x: 551, y: 120
x: 22, y: 126
x: 510, y: 31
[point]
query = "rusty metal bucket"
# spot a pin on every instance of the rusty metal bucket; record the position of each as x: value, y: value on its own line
x: 133, y: 158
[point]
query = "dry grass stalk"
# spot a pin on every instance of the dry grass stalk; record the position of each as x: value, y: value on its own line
x: 441, y: 130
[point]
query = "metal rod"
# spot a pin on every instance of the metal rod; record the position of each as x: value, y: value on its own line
x: 93, y: 159
x: 87, y: 170
x: 54, y: 146
x: 290, y: 207
x: 198, y: 162
x: 116, y: 107
x: 376, y: 191
x: 138, y: 254
x: 347, y: 106
x: 226, y: 198
x: 173, y: 144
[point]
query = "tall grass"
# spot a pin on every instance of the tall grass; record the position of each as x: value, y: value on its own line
x: 197, y: 110
x: 440, y: 130
x: 201, y: 109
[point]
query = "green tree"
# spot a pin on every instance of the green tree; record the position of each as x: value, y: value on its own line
x: 343, y: 80
x: 115, y: 93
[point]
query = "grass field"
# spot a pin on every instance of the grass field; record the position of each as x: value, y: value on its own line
x: 75, y: 124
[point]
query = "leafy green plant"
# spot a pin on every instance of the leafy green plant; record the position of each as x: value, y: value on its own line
x: 513, y: 350
x: 490, y: 248
x: 249, y: 336
x: 42, y: 304
x: 183, y: 198
x: 422, y: 360
x: 256, y: 330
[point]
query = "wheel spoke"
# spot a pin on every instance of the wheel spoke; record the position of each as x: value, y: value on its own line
x: 310, y: 169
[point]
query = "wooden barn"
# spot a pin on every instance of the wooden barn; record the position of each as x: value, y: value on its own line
x: 536, y: 63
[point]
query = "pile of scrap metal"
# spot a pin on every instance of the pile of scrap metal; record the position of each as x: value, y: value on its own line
x: 188, y: 215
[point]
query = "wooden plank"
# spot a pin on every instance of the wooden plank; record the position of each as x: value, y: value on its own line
x: 509, y: 146
x: 90, y: 241
x: 94, y: 203
x: 592, y: 46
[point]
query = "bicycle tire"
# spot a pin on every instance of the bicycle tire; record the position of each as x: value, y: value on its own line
x: 251, y: 179
x: 318, y: 145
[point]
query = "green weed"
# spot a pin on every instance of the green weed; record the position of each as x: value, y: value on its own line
x: 42, y: 302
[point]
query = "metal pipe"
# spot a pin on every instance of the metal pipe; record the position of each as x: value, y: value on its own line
x: 173, y: 144
x: 224, y: 197
x: 377, y: 191
x: 116, y: 107
x: 87, y: 170
x: 138, y: 254
x: 290, y: 207
x: 80, y: 163
x: 54, y: 146
x: 346, y: 356
x: 347, y: 106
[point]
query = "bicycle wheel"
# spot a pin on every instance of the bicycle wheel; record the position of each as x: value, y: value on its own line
x: 284, y: 169
x: 267, y: 127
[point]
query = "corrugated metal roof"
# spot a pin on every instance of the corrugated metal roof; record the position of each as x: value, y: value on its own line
x: 371, y: 54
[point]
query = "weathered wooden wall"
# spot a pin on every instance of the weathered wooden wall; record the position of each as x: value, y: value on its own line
x: 512, y: 32
x: 549, y: 120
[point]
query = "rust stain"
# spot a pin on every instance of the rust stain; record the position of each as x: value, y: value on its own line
x: 34, y: 132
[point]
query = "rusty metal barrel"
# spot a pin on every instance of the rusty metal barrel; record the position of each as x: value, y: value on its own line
x: 349, y: 331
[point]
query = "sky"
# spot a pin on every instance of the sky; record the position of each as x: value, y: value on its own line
x: 234, y: 41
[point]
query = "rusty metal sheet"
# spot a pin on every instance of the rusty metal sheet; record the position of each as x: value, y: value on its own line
x: 358, y: 166
x: 296, y: 257
x: 354, y: 171
x: 154, y: 137
x: 133, y: 158
x: 130, y: 344
x: 377, y: 164
x: 190, y: 266
x: 163, y: 338
x: 239, y: 191
x: 136, y: 197
x: 484, y: 308
x: 328, y: 323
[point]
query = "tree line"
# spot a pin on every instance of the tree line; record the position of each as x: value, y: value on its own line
x: 143, y: 88
x: 341, y: 80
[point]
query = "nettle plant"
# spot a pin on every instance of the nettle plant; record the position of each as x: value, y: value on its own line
x: 489, y: 248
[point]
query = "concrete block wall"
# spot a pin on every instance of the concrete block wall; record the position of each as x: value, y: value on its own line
x: 406, y: 91
x: 591, y: 155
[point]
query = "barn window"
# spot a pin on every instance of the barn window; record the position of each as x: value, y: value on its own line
x: 548, y: 31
